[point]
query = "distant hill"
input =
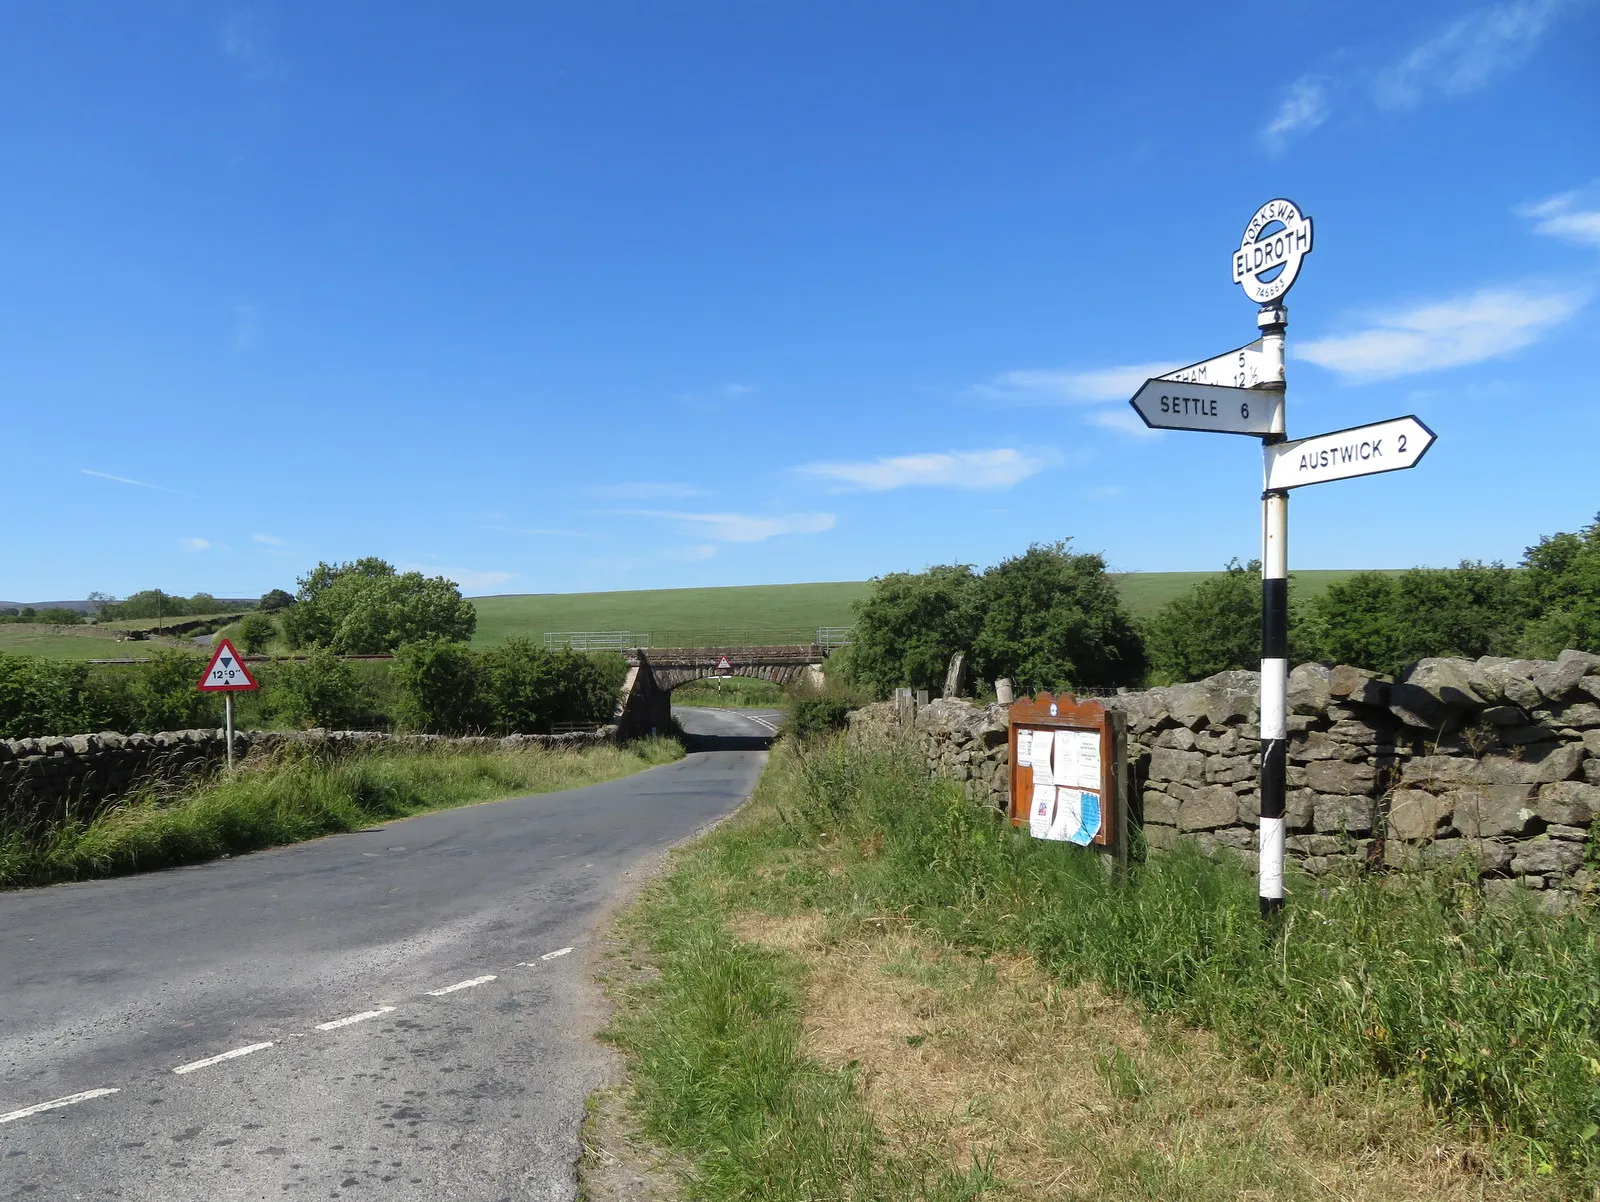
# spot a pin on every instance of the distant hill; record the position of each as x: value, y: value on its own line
x: 87, y: 607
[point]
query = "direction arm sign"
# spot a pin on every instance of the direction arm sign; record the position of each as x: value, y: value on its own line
x: 1359, y: 451
x: 1165, y: 404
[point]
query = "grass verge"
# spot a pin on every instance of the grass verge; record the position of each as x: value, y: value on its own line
x: 297, y: 796
x: 866, y: 987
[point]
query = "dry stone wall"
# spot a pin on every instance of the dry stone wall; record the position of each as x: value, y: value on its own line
x: 1492, y: 764
x: 42, y: 779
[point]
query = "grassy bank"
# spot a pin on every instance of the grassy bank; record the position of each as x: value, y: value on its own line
x: 297, y: 797
x: 735, y: 691
x: 866, y: 987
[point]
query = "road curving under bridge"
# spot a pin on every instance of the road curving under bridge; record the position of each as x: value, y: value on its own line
x: 401, y: 1013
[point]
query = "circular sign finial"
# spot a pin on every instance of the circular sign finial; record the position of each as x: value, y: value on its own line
x: 1275, y: 242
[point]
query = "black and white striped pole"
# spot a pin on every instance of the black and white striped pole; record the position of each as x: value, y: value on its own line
x: 1242, y: 392
x: 1271, y: 321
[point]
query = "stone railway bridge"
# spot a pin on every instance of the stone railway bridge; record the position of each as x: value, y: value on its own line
x: 646, y: 702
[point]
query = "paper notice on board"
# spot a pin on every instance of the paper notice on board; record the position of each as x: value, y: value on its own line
x: 1024, y: 748
x: 1042, y: 773
x: 1089, y: 817
x: 1042, y: 811
x: 1087, y: 760
x: 1066, y: 817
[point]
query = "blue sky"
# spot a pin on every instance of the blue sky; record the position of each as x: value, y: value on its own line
x: 550, y: 297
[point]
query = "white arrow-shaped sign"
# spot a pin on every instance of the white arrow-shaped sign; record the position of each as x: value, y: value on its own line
x: 1360, y: 451
x: 1241, y: 368
x: 1166, y: 404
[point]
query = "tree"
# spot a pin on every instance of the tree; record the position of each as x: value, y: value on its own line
x: 910, y: 624
x: 275, y: 599
x: 1054, y: 619
x: 1563, y: 573
x: 1214, y: 627
x: 322, y: 690
x: 255, y: 631
x: 438, y: 687
x: 1384, y: 621
x: 527, y: 688
x: 366, y: 607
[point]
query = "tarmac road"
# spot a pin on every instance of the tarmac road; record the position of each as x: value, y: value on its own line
x: 401, y: 1013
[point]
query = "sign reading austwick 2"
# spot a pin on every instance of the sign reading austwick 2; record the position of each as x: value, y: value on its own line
x: 1242, y: 392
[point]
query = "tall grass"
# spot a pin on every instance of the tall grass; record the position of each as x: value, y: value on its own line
x: 298, y: 796
x: 1489, y: 1011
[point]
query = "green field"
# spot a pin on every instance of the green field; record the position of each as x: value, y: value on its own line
x: 757, y: 614
x: 763, y: 613
x: 769, y: 613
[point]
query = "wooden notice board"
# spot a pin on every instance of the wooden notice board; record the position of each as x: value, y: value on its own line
x: 1080, y: 750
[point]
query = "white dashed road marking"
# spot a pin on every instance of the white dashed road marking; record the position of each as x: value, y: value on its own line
x: 560, y: 951
x: 210, y: 1060
x: 69, y: 1100
x: 354, y: 1018
x: 461, y: 985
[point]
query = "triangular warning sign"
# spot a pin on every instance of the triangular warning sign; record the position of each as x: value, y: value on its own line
x: 722, y: 663
x: 226, y: 671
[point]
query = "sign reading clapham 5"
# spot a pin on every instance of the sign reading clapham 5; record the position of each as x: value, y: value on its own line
x: 1242, y: 392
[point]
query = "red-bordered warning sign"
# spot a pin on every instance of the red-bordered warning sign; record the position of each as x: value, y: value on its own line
x: 722, y: 664
x: 226, y: 672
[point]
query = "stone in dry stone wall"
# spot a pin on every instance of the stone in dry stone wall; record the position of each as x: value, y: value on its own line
x: 43, y: 779
x: 1491, y: 765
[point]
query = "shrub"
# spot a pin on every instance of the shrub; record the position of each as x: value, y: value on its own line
x: 818, y: 715
x: 1047, y: 618
x: 437, y: 682
x: 275, y: 599
x: 527, y: 689
x: 255, y: 631
x: 322, y: 690
x: 1052, y: 619
x: 1212, y: 628
x: 154, y: 696
x: 41, y: 697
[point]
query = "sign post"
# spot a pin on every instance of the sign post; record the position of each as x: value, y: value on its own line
x: 1242, y: 392
x: 226, y: 674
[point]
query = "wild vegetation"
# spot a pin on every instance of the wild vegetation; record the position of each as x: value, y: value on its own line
x: 433, y: 686
x: 298, y: 796
x: 1043, y: 618
x: 1410, y: 1039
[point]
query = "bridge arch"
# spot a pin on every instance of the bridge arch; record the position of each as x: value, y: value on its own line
x: 646, y: 702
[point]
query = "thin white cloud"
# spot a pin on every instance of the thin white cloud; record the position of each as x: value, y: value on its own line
x: 745, y: 528
x: 1469, y: 52
x: 197, y: 544
x: 996, y: 469
x: 89, y: 471
x: 1123, y: 421
x: 737, y: 390
x: 1046, y: 386
x: 1450, y: 333
x: 1566, y: 216
x: 1304, y: 107
x: 271, y: 540
x: 648, y: 490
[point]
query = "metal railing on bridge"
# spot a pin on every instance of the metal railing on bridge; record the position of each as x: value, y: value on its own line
x: 828, y: 638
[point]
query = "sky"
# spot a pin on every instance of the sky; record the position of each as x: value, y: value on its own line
x: 551, y: 297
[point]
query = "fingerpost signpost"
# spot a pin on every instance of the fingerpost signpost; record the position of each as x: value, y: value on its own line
x: 226, y: 674
x: 1242, y: 392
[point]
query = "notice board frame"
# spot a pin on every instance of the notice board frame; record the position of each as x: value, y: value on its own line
x: 1063, y: 711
